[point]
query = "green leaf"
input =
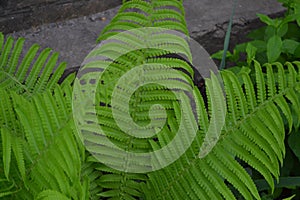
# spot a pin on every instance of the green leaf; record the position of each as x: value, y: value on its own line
x: 297, y: 51
x: 251, y: 52
x: 293, y: 32
x: 267, y: 20
x: 239, y: 71
x: 282, y: 30
x: 218, y: 110
x: 6, y: 147
x: 289, y: 46
x: 284, y: 182
x: 227, y: 37
x: 270, y: 32
x: 289, y: 198
x: 297, y: 11
x: 18, y: 149
x: 51, y: 195
x: 294, y: 143
x: 290, y: 18
x: 260, y: 45
x: 4, y: 194
x: 258, y: 34
x: 274, y: 47
x: 219, y: 55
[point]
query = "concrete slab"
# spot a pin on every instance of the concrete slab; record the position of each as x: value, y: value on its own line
x: 22, y: 14
x: 207, y: 22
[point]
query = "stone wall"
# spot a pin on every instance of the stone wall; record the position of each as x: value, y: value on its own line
x: 22, y: 14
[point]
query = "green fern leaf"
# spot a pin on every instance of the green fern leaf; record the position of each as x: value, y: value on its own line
x: 51, y: 195
x: 136, y: 4
x: 161, y: 14
x: 6, y: 146
x: 23, y: 75
x: 132, y: 16
x: 254, y: 126
x: 168, y: 3
x: 19, y: 154
x: 11, y: 132
x: 260, y: 145
x: 51, y: 148
x: 261, y: 93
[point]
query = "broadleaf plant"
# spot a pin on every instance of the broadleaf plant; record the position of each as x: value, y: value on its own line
x: 46, y: 156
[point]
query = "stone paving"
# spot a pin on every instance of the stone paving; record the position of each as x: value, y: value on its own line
x: 207, y: 22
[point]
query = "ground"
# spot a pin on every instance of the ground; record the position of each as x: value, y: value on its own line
x: 206, y: 19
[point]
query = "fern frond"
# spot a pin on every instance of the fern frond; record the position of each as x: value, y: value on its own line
x: 6, y: 146
x: 11, y: 134
x: 51, y: 195
x: 176, y: 64
x: 249, y: 92
x: 89, y: 170
x: 169, y: 3
x: 161, y: 14
x: 31, y: 74
x: 260, y: 145
x: 140, y: 103
x: 166, y: 14
x: 134, y: 17
x: 121, y: 53
x: 171, y: 25
x: 18, y: 150
x: 49, y: 145
x: 260, y: 81
x: 254, y: 125
x: 142, y: 5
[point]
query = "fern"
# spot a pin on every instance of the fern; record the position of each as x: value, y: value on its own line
x: 53, y: 161
x: 31, y: 74
x: 90, y: 173
x: 28, y: 77
x: 244, y: 137
x: 128, y: 185
x: 157, y: 13
x: 255, y: 136
x: 11, y: 134
x: 43, y: 154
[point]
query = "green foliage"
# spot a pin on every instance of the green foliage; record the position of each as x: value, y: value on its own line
x: 40, y: 151
x: 293, y: 141
x: 247, y: 107
x: 156, y: 13
x: 31, y: 74
x: 277, y: 41
x: 245, y: 137
x: 159, y: 14
x: 43, y: 156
